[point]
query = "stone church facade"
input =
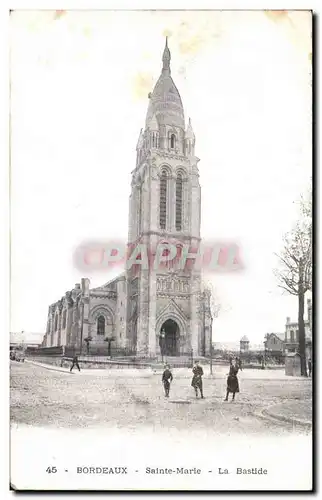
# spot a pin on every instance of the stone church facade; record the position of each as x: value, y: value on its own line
x: 146, y: 309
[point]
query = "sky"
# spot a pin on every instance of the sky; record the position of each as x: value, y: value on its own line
x: 79, y: 95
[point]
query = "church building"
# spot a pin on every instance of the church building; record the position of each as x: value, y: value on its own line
x: 154, y: 310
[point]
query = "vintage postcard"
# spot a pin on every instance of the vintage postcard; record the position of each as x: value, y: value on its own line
x: 161, y: 330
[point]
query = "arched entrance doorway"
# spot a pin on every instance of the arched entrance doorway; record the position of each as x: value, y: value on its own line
x: 169, y: 341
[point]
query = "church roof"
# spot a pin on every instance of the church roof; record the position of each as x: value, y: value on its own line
x: 244, y: 339
x: 165, y: 101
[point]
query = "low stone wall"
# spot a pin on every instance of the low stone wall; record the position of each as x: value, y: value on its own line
x: 259, y: 367
x: 105, y: 363
x: 47, y: 360
x: 86, y: 364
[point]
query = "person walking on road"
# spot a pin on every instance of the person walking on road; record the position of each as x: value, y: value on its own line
x: 309, y: 363
x: 232, y: 381
x: 167, y: 378
x: 75, y: 363
x: 196, y: 382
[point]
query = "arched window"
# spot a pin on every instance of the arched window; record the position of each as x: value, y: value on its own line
x: 172, y: 141
x: 163, y: 200
x: 179, y: 191
x: 101, y: 325
x: 153, y: 139
x: 292, y: 335
x: 56, y: 322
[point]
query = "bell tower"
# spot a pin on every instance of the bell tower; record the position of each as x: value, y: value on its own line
x: 164, y: 207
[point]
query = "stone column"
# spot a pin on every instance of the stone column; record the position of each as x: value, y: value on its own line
x: 131, y: 229
x: 75, y: 326
x: 85, y: 307
x: 143, y: 316
x: 152, y: 313
x: 59, y: 325
x: 137, y: 204
x: 195, y: 326
x: 52, y: 326
x: 195, y: 205
x: 171, y: 201
x: 154, y: 198
x: 69, y: 322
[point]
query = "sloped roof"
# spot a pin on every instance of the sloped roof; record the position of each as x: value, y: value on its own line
x: 280, y: 336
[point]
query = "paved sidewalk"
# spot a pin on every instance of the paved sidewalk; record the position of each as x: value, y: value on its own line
x: 50, y: 367
x: 297, y: 412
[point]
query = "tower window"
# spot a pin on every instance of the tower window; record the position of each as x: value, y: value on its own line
x: 292, y: 335
x: 179, y: 191
x: 56, y: 323
x: 172, y: 141
x: 163, y: 200
x: 101, y: 325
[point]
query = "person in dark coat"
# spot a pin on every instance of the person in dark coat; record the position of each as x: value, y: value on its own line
x: 75, y: 363
x: 167, y: 378
x: 196, y: 382
x: 232, y: 381
x: 310, y: 367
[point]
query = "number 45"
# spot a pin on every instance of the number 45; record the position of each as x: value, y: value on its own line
x: 51, y: 470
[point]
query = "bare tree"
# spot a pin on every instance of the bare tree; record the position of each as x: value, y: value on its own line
x: 214, y: 299
x: 294, y: 275
x: 216, y: 307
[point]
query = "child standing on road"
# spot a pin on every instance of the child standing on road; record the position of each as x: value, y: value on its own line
x: 196, y: 382
x: 232, y: 381
x: 166, y: 380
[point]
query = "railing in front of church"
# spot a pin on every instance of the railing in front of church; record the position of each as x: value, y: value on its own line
x: 100, y: 354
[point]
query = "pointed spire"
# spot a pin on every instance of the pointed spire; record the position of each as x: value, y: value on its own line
x: 166, y: 58
x: 189, y: 132
x: 140, y: 140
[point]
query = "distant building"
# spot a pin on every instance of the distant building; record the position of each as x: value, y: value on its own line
x: 274, y: 343
x: 244, y: 344
x: 291, y: 340
x: 226, y: 346
x: 25, y: 339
